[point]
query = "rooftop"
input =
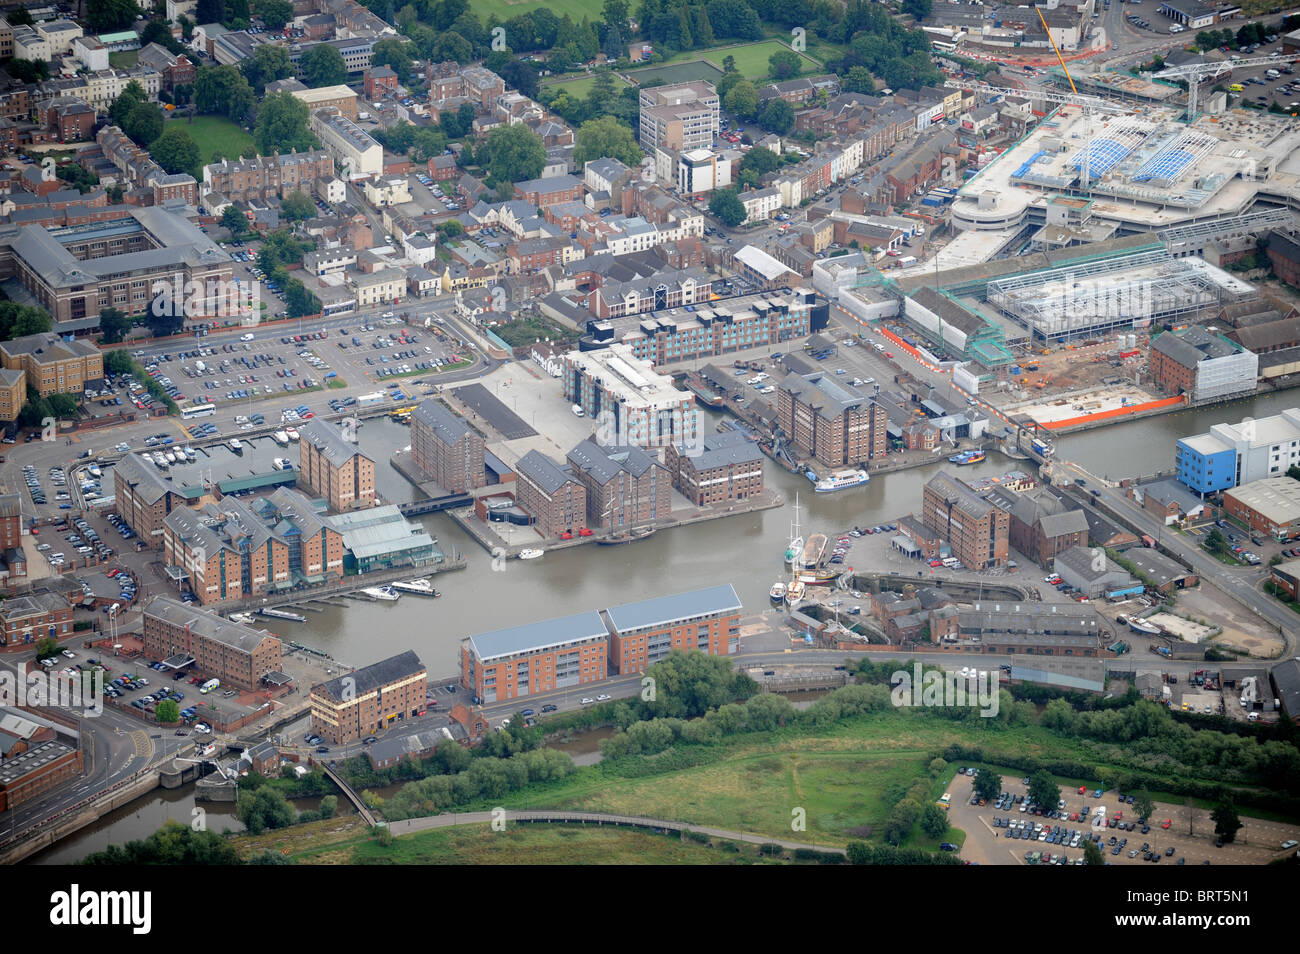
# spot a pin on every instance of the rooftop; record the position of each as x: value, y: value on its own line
x: 566, y: 631
x: 359, y: 682
x: 206, y: 624
x: 663, y: 610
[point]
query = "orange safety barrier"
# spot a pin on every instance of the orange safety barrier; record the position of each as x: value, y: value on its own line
x: 1115, y: 412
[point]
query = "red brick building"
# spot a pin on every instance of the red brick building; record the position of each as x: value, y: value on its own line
x: 730, y: 467
x: 832, y: 422
x: 11, y: 521
x: 238, y: 655
x: 370, y: 699
x: 446, y: 449
x: 536, y: 657
x: 69, y: 119
x: 380, y: 80
x: 550, y: 494
x: 977, y: 531
x: 549, y: 191
x: 642, y: 633
x: 27, y: 619
x: 625, y: 486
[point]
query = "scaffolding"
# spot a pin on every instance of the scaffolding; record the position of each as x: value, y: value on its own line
x: 1094, y: 298
x: 1178, y: 239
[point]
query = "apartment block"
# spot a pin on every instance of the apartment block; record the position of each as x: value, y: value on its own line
x: 521, y: 661
x: 13, y: 393
x: 334, y: 469
x: 550, y: 494
x: 370, y: 699
x: 143, y: 498
x: 633, y: 402
x: 977, y: 531
x: 682, y: 117
x: 642, y: 633
x: 446, y: 449
x: 625, y: 486
x: 52, y: 365
x: 729, y: 467
x: 238, y: 655
x: 834, y: 423
x: 265, y: 176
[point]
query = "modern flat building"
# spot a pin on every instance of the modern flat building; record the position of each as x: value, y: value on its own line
x: 682, y: 117
x: 370, y: 699
x: 632, y: 403
x: 53, y: 365
x: 644, y: 632
x: 625, y: 486
x: 834, y: 423
x: 342, y: 98
x: 143, y: 498
x: 355, y: 151
x: 977, y: 531
x: 537, y: 657
x: 446, y: 449
x: 334, y: 468
x: 1233, y: 454
x: 1203, y: 365
x: 238, y: 655
x: 729, y: 467
x: 550, y: 494
x: 1270, y: 506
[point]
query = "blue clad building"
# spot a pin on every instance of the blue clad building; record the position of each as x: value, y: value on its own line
x: 1206, y: 464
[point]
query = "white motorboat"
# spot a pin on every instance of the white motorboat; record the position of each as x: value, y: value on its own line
x: 386, y: 593
x: 530, y: 554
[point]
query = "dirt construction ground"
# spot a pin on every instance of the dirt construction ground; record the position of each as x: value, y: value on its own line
x: 1258, y: 841
x: 1242, y: 631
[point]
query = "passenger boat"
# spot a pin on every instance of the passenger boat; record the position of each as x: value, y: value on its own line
x: 972, y: 458
x: 281, y: 438
x: 842, y: 480
x: 386, y: 593
x: 530, y: 554
x: 777, y: 592
x: 419, y: 587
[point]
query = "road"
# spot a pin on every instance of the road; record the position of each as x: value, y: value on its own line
x: 1240, y: 583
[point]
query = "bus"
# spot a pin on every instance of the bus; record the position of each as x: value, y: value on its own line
x: 191, y: 411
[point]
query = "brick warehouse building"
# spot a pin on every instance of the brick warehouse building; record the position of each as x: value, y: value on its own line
x: 26, y: 619
x: 144, y: 499
x: 550, y: 494
x: 644, y: 632
x: 366, y: 700
x: 238, y: 655
x: 730, y: 467
x: 977, y: 531
x: 536, y: 657
x: 834, y: 423
x: 625, y: 486
x: 447, y: 449
x: 335, y: 469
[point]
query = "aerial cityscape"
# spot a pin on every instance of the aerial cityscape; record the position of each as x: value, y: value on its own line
x: 522, y: 432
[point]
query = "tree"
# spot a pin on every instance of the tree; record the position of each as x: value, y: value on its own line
x: 328, y: 806
x: 394, y: 52
x: 323, y: 66
x: 173, y: 844
x: 606, y: 137
x: 450, y: 229
x: 451, y: 46
x: 282, y: 125
x: 298, y: 301
x: 27, y: 320
x: 62, y: 406
x: 858, y: 80
x: 728, y: 64
x: 1143, y: 804
x: 934, y: 821
x: 114, y: 323
x: 513, y: 154
x: 210, y: 11
x: 223, y: 91
x: 784, y: 64
x: 131, y: 96
x: 159, y: 32
x: 46, y: 646
x: 275, y: 13
x: 917, y: 9
x: 521, y: 76
x: 297, y: 206
x: 28, y: 71
x: 176, y: 151
x: 742, y: 100
x: 267, y: 64
x: 105, y: 16
x: 1092, y: 854
x: 760, y: 160
x: 988, y: 784
x: 20, y: 17
x: 234, y: 220
x: 1043, y: 790
x: 1215, y: 541
x: 167, y: 712
x: 1226, y: 821
x: 263, y: 809
x: 777, y: 117
x: 726, y: 206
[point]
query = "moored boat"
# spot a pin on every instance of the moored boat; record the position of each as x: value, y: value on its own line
x: 386, y: 593
x: 530, y: 554
x: 794, y: 592
x: 777, y: 592
x: 282, y: 463
x: 235, y: 445
x: 291, y: 433
x: 281, y: 438
x: 1143, y: 627
x: 420, y: 587
x: 842, y: 480
x: 972, y: 458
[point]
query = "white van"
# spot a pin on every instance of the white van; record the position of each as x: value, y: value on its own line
x: 1272, y: 74
x: 247, y: 337
x: 578, y: 411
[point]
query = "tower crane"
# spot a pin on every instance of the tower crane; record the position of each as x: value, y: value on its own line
x: 1196, y: 73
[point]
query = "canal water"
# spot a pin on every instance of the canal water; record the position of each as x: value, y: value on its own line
x: 745, y: 550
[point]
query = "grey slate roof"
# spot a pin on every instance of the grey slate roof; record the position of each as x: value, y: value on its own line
x: 362, y: 681
x: 446, y: 426
x: 729, y: 447
x: 206, y: 623
x: 532, y: 637
x: 144, y: 481
x: 670, y: 609
x: 605, y: 463
x: 328, y: 439
x: 542, y: 471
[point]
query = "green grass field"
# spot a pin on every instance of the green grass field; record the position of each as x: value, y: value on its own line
x: 751, y: 58
x: 505, y: 9
x: 580, y: 86
x: 215, y: 134
x: 123, y: 59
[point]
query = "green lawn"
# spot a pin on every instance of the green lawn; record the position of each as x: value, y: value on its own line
x: 505, y: 9
x: 123, y: 59
x: 215, y: 134
x: 751, y: 58
x: 579, y: 86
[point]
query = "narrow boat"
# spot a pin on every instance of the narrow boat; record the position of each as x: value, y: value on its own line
x: 842, y: 480
x: 972, y: 458
x: 381, y: 593
x: 530, y: 554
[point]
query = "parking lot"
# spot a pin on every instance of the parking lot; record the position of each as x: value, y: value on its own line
x: 997, y: 836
